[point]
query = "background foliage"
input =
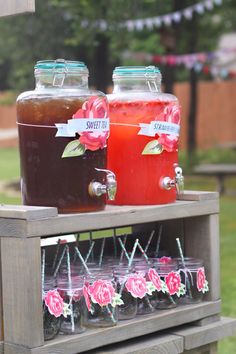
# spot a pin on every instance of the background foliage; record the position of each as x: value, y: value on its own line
x: 67, y: 29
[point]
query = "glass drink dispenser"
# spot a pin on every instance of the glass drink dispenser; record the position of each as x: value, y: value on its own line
x: 144, y: 134
x: 63, y: 130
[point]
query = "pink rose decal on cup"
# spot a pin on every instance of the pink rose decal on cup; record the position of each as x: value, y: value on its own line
x: 101, y: 292
x: 202, y: 283
x: 137, y: 286
x: 155, y: 279
x: 54, y: 303
x: 173, y: 282
x: 95, y: 107
x: 169, y: 142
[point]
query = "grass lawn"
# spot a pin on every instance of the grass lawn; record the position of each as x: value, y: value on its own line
x: 9, y: 170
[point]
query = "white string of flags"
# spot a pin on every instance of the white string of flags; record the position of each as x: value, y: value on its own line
x: 158, y: 21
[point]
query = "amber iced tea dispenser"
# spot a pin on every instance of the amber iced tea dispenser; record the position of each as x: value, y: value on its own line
x: 144, y: 134
x: 63, y: 129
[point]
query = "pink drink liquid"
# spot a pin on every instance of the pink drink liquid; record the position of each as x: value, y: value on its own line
x: 138, y: 176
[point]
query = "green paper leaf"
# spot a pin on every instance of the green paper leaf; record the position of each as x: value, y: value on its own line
x: 74, y: 148
x: 66, y: 310
x: 150, y: 288
x: 152, y: 148
x: 182, y: 290
x: 116, y: 301
x: 206, y: 287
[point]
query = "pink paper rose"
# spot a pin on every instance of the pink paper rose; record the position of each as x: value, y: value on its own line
x: 86, y: 297
x: 201, y: 278
x: 171, y: 115
x: 155, y: 279
x: 137, y: 286
x: 94, y: 141
x: 101, y: 292
x: 173, y: 282
x: 54, y: 303
x: 95, y: 107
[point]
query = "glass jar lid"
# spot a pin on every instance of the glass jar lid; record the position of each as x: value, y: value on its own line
x: 147, y: 72
x: 61, y: 66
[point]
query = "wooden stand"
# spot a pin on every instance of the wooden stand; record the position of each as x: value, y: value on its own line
x: 194, y: 219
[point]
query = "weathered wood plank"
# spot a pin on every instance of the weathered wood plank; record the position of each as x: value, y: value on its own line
x: 112, y: 216
x: 26, y: 212
x: 125, y: 330
x: 196, y: 195
x: 195, y: 336
x: 12, y: 7
x: 152, y: 344
x: 15, y: 349
x: 207, y: 320
x: 21, y: 291
x: 202, y: 241
x: 205, y: 349
x: 216, y: 169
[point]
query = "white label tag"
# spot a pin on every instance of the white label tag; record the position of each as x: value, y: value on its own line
x: 159, y: 127
x: 81, y: 125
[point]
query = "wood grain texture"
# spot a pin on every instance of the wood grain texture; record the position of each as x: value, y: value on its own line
x: 12, y: 7
x: 26, y: 212
x: 112, y: 216
x: 15, y: 349
x: 195, y: 336
x: 207, y: 320
x: 152, y: 344
x: 205, y: 349
x: 202, y: 241
x: 21, y: 291
x: 125, y: 330
x: 196, y: 195
x: 216, y: 169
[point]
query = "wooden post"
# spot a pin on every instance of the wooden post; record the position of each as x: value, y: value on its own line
x: 202, y: 241
x: 22, y: 291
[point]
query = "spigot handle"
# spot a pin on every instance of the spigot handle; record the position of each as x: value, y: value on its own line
x: 111, y: 183
x: 179, y: 180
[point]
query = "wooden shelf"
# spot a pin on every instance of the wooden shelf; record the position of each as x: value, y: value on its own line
x: 38, y: 222
x: 194, y: 218
x: 141, y: 325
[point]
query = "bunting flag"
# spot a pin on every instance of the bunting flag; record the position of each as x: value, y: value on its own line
x: 174, y: 17
x: 162, y: 20
x: 200, y: 62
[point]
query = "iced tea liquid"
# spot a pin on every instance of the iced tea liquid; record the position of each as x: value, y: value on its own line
x: 47, y: 178
x: 138, y: 176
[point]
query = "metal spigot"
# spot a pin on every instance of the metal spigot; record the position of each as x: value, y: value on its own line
x: 178, y: 182
x: 97, y: 189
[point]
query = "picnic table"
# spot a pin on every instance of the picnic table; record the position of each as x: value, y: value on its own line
x: 220, y: 171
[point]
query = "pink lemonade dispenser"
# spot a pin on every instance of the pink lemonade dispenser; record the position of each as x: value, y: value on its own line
x: 144, y: 135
